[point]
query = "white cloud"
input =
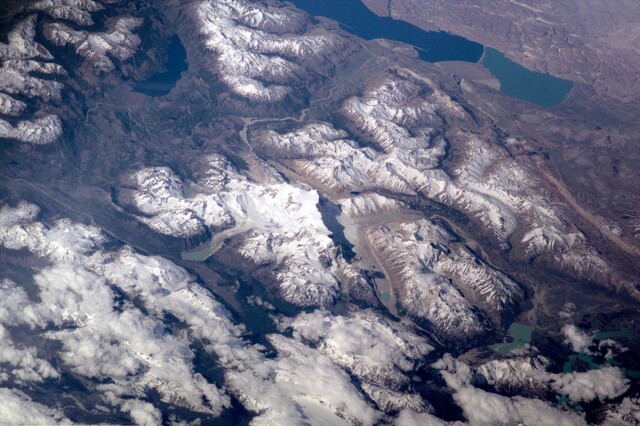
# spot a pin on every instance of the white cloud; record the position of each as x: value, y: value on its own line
x: 298, y: 383
x: 123, y: 344
x: 24, y: 361
x: 16, y: 408
x: 531, y: 373
x: 295, y: 385
x: 576, y: 338
x: 371, y: 346
x: 22, y: 213
x: 142, y: 413
x: 457, y: 374
x: 101, y: 336
x: 74, y: 295
x: 105, y: 336
x: 17, y: 309
x: 484, y: 408
x: 411, y: 418
x: 602, y: 384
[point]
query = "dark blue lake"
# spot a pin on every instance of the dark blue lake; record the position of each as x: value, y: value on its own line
x: 356, y: 18
x: 437, y: 46
x: 162, y: 83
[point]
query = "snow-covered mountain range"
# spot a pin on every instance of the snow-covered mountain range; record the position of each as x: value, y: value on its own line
x: 304, y: 228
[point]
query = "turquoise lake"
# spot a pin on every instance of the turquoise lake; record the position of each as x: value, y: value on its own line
x: 518, y: 82
x: 520, y: 335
